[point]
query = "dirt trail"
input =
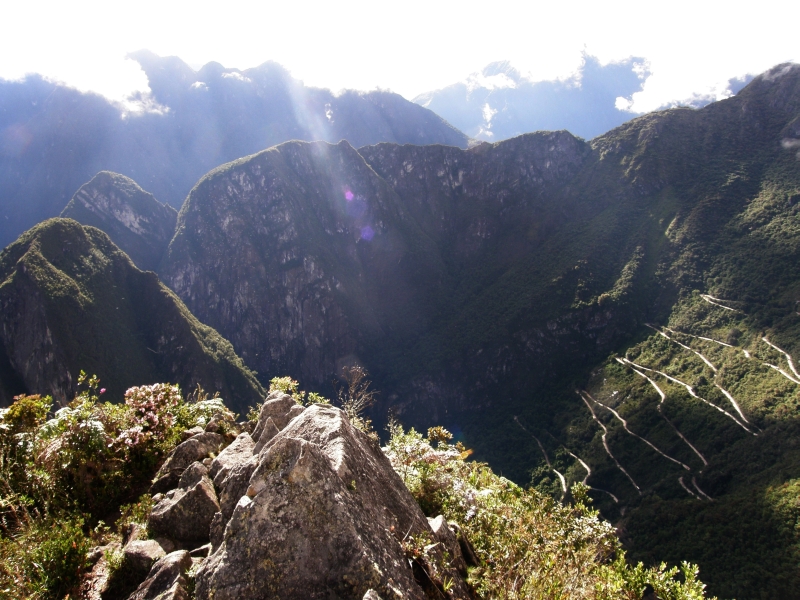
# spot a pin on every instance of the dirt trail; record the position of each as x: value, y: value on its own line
x: 605, y: 442
x: 713, y: 368
x: 699, y: 337
x: 703, y: 358
x: 584, y: 465
x: 702, y: 493
x: 688, y: 490
x: 788, y: 360
x: 625, y: 427
x: 689, y: 389
x: 782, y: 372
x: 546, y: 458
x: 716, y: 301
x: 671, y: 424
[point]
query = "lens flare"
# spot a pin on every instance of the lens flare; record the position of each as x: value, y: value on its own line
x: 348, y: 195
x: 367, y: 233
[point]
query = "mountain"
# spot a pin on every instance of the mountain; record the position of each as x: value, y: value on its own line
x: 135, y: 221
x: 72, y: 300
x: 53, y: 138
x: 491, y: 290
x: 499, y: 102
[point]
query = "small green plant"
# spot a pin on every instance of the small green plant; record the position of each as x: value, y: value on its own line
x: 287, y: 385
x: 355, y: 397
x: 44, y: 559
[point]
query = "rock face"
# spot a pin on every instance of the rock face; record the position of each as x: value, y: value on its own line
x: 134, y: 220
x: 318, y: 512
x: 71, y: 300
x: 167, y: 579
x: 322, y: 514
x: 308, y: 254
x: 193, y: 450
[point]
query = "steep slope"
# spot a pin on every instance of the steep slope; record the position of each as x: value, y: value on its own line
x: 308, y: 255
x: 483, y: 288
x: 72, y: 300
x: 135, y: 221
x: 53, y: 139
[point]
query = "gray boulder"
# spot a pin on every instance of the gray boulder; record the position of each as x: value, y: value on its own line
x: 323, y: 515
x: 185, y: 514
x: 192, y: 450
x: 269, y: 431
x: 167, y: 579
x: 449, y: 542
x: 140, y: 555
x: 239, y: 451
x: 276, y: 406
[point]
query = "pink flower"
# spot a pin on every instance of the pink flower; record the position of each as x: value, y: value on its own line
x: 102, y: 390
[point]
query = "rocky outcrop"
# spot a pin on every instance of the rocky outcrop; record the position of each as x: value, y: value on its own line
x: 193, y: 450
x: 167, y: 579
x: 185, y: 514
x: 135, y: 221
x: 70, y: 300
x: 317, y: 512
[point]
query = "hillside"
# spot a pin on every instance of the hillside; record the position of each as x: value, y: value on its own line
x: 53, y: 139
x: 135, y: 221
x: 72, y: 301
x: 484, y: 287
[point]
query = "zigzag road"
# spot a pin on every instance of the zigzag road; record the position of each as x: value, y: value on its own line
x: 671, y: 424
x: 605, y: 441
x: 689, y: 389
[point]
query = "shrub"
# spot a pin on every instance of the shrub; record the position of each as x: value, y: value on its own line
x: 530, y: 546
x: 43, y: 560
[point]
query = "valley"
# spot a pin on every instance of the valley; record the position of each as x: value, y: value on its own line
x: 620, y: 313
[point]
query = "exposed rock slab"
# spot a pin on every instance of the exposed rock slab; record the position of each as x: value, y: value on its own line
x: 167, y: 579
x: 192, y: 450
x: 322, y: 515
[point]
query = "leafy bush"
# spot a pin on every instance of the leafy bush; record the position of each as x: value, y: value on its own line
x: 44, y: 559
x: 530, y: 545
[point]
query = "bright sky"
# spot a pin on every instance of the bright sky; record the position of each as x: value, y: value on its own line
x: 409, y: 47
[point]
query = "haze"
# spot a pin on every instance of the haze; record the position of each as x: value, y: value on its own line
x: 409, y: 47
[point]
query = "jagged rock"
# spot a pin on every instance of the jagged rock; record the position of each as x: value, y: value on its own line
x: 186, y: 514
x: 193, y: 473
x: 238, y: 451
x: 216, y: 532
x: 447, y: 538
x: 140, y: 555
x: 167, y: 579
x: 323, y: 516
x: 192, y: 450
x: 235, y: 485
x: 190, y: 433
x: 277, y: 406
x: 371, y: 595
x: 269, y: 431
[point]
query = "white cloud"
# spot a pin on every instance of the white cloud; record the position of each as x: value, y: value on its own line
x: 692, y: 47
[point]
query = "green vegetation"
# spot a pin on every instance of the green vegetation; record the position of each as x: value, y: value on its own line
x: 529, y: 545
x: 61, y: 477
x: 70, y: 294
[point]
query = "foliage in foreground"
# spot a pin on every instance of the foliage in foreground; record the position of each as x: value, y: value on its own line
x: 530, y: 546
x: 61, y: 476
